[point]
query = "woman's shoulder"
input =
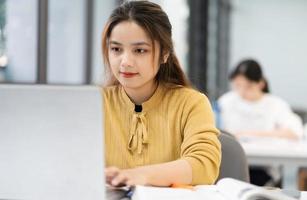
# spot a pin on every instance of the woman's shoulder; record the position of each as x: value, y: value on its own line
x: 228, y: 98
x: 110, y: 92
x: 187, y: 93
x: 186, y: 97
x: 275, y: 100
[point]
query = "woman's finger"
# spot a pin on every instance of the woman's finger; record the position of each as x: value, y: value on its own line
x: 119, y: 180
x: 110, y: 173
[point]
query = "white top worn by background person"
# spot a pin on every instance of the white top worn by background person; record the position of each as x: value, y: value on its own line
x: 266, y: 114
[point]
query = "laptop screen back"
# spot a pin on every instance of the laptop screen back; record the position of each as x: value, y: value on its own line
x: 51, y: 143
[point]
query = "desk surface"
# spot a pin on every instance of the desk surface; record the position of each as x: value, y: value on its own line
x: 291, y: 155
x: 271, y: 147
x: 275, y: 152
x: 303, y: 196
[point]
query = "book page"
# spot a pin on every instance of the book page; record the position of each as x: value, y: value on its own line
x: 266, y: 194
x: 238, y: 190
x: 154, y: 193
x: 233, y: 189
x: 163, y: 193
x: 225, y: 189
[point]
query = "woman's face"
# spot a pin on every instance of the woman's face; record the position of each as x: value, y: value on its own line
x: 248, y: 90
x: 132, y: 59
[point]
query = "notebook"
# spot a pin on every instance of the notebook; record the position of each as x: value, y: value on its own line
x: 51, y: 142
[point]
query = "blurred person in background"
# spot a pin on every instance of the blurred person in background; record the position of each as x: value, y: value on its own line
x: 250, y: 110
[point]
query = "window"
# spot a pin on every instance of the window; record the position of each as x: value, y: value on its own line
x: 18, y: 40
x: 66, y: 41
x: 52, y: 41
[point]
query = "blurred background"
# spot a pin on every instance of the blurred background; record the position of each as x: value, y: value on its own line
x: 58, y: 42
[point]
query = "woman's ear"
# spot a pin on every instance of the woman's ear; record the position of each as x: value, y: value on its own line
x: 262, y: 84
x: 165, y: 57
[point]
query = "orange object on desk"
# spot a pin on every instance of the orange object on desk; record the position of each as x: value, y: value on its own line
x: 183, y: 186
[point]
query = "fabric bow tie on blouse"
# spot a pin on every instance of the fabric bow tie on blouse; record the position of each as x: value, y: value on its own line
x: 138, y: 135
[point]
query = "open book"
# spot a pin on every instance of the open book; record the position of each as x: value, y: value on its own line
x: 225, y: 189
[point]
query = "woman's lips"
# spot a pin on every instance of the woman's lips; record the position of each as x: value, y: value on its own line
x: 128, y: 74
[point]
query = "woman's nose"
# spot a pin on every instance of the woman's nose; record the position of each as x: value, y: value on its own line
x: 127, y: 60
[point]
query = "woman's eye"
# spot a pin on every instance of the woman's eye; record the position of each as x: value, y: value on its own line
x: 141, y: 51
x: 115, y: 49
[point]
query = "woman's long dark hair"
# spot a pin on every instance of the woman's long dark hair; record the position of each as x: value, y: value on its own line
x: 156, y: 24
x: 252, y: 71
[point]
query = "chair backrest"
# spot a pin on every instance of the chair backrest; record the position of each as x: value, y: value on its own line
x: 234, y: 162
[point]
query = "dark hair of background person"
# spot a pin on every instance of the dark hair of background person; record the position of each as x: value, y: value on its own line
x: 252, y: 71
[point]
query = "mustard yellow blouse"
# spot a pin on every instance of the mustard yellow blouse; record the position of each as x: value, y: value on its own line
x: 175, y: 123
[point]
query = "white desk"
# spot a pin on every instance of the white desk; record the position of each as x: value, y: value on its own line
x: 303, y: 196
x: 290, y: 155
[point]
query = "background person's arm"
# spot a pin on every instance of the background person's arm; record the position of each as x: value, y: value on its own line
x: 288, y: 126
x: 278, y: 133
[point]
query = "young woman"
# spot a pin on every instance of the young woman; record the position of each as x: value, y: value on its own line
x: 250, y: 110
x: 158, y: 130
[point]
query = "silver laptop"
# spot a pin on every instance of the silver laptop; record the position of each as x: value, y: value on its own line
x: 51, y: 143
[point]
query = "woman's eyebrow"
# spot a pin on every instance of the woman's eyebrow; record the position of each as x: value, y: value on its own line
x: 133, y: 43
x: 140, y: 43
x: 115, y: 42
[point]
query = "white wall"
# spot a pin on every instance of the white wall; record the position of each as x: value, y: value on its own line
x: 275, y: 33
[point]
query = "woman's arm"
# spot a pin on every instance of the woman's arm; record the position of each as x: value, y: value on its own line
x: 164, y: 174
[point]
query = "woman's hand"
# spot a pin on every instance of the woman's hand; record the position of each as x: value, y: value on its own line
x: 121, y: 177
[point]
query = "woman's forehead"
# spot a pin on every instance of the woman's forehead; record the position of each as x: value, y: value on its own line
x: 130, y: 33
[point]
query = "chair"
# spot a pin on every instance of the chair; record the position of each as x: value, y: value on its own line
x: 234, y: 162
